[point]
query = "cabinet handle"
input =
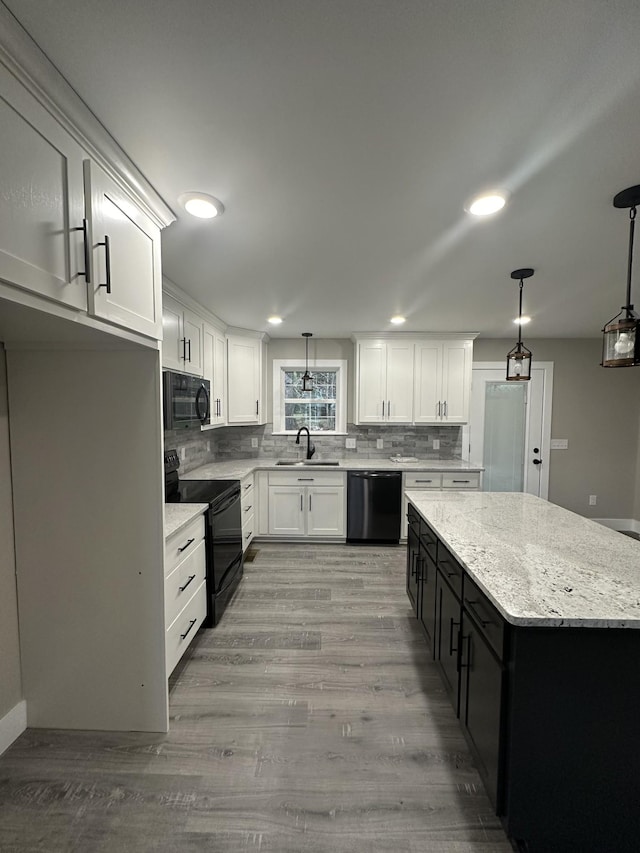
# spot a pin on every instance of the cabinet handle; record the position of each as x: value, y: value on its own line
x: 439, y: 405
x: 452, y: 651
x: 461, y: 481
x: 305, y: 479
x: 247, y: 508
x: 184, y: 349
x: 257, y: 408
x: 191, y: 624
x: 309, y: 503
x: 107, y: 262
x: 466, y: 665
x: 184, y: 547
x: 249, y: 535
x: 248, y: 486
x: 85, y: 249
x: 189, y: 342
x: 388, y: 408
x: 423, y: 576
x: 182, y: 588
x: 414, y: 572
x: 301, y: 499
x: 445, y: 409
x: 423, y: 481
x: 218, y: 407
x: 475, y: 614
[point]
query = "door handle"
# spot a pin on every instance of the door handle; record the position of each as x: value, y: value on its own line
x: 87, y: 260
x: 439, y: 405
x: 107, y: 262
x: 537, y: 461
x: 445, y: 409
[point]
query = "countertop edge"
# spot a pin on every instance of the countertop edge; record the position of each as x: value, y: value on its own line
x: 182, y: 515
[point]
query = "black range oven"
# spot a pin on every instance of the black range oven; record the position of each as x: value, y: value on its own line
x: 223, y: 531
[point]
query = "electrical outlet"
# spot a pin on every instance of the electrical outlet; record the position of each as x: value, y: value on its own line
x: 436, y: 444
x: 350, y: 444
x: 183, y: 454
x: 254, y: 442
x: 593, y: 499
x: 379, y: 443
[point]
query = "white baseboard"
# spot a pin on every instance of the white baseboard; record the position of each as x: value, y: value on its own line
x: 12, y: 725
x: 620, y: 523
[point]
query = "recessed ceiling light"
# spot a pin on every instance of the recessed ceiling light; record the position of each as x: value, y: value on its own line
x: 522, y: 321
x: 487, y: 203
x: 398, y: 320
x: 201, y: 205
x: 275, y: 321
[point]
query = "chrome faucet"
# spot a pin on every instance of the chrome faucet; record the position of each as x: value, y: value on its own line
x: 311, y: 448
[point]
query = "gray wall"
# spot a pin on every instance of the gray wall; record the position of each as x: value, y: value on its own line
x: 598, y: 410
x: 10, y: 679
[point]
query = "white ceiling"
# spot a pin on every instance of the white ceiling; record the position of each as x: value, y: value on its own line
x: 344, y: 136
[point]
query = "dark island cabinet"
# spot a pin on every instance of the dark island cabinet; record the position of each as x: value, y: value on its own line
x: 447, y: 638
x: 413, y: 554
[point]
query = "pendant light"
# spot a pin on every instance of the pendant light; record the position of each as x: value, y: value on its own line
x: 519, y: 358
x: 621, y: 335
x: 307, y: 379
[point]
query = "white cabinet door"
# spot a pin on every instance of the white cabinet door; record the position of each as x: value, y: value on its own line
x: 428, y: 382
x: 192, y: 333
x: 125, y: 286
x: 325, y: 511
x: 244, y: 383
x: 456, y: 381
x: 372, y: 382
x: 41, y: 201
x: 286, y: 510
x: 172, y: 342
x: 399, y: 372
x: 219, y: 381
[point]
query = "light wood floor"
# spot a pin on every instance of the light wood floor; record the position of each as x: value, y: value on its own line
x: 310, y: 719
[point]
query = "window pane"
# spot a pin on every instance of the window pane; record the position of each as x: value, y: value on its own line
x: 319, y: 417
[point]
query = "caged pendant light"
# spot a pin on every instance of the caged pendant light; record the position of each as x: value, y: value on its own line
x: 621, y: 335
x: 307, y: 379
x: 519, y: 358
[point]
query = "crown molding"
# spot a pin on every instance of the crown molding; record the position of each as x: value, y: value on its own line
x: 22, y: 57
x: 414, y: 336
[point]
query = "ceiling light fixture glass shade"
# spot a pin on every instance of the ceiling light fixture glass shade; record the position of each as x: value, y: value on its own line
x: 274, y: 320
x: 398, y: 320
x: 519, y: 358
x: 307, y: 378
x: 201, y: 205
x: 487, y: 203
x: 621, y: 335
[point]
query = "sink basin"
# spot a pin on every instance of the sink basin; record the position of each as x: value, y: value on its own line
x: 321, y: 462
x: 289, y: 462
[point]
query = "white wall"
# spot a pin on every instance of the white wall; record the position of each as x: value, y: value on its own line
x: 10, y: 680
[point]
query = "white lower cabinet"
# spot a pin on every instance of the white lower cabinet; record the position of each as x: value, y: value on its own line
x: 306, y: 505
x: 430, y: 480
x: 185, y: 597
x: 248, y: 495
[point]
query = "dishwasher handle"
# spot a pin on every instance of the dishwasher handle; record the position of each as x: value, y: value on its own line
x: 366, y: 475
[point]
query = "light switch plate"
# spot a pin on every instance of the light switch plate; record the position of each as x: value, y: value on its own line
x: 559, y: 443
x: 350, y: 444
x: 379, y: 443
x: 254, y: 442
x: 436, y: 444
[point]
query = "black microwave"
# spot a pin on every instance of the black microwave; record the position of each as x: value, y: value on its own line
x: 185, y: 400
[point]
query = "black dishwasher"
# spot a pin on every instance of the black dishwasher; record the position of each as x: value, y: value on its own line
x: 374, y: 501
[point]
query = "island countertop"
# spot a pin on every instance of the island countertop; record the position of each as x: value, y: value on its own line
x: 540, y: 564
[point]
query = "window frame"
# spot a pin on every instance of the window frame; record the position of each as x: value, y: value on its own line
x: 281, y: 365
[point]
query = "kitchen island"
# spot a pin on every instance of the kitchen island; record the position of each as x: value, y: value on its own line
x: 532, y: 615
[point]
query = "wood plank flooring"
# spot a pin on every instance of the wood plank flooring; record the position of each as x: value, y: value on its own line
x: 310, y: 719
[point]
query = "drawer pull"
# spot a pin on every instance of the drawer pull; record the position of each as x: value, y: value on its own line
x: 184, y: 547
x: 461, y: 481
x: 191, y: 624
x: 249, y: 535
x: 247, y: 508
x: 424, y: 481
x: 248, y: 486
x: 305, y: 479
x: 476, y: 615
x: 182, y: 588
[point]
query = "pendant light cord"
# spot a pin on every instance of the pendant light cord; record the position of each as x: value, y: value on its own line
x: 632, y: 227
x: 520, y: 317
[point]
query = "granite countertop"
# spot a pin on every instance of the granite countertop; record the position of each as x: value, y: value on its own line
x: 177, y: 516
x: 540, y: 565
x: 236, y: 469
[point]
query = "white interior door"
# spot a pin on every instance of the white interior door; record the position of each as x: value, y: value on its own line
x: 510, y: 428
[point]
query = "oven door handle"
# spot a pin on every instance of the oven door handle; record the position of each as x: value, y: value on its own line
x: 216, y: 510
x: 202, y: 390
x: 230, y: 573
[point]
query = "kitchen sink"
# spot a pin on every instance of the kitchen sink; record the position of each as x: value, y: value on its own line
x: 295, y: 462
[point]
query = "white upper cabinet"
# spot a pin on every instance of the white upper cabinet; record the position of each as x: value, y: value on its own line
x: 245, y: 397
x: 443, y: 381
x: 125, y: 286
x: 384, y: 381
x: 214, y: 369
x: 41, y: 201
x: 182, y: 338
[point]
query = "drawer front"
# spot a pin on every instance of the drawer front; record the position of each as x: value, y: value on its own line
x: 182, y: 543
x: 248, y: 530
x: 488, y: 620
x: 246, y: 491
x: 184, y: 627
x: 461, y: 481
x: 450, y: 569
x: 183, y: 581
x: 425, y: 480
x: 306, y: 477
x: 428, y: 539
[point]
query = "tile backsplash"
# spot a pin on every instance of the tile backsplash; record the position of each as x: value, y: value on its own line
x: 216, y: 445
